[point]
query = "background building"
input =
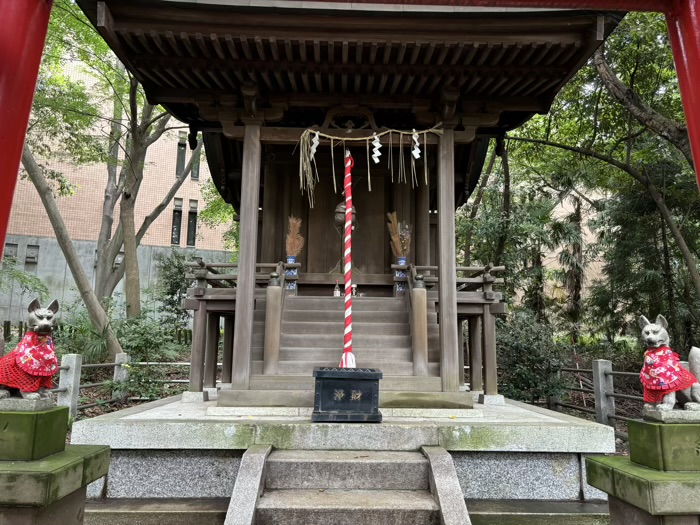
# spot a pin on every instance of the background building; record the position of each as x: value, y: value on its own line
x: 32, y: 242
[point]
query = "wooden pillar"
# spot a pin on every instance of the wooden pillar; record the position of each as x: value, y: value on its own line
x: 228, y: 350
x: 23, y: 27
x: 447, y: 268
x: 476, y: 377
x: 460, y: 355
x: 199, y: 339
x: 422, y: 224
x: 683, y: 21
x: 248, y: 235
x: 490, y: 361
x: 419, y: 327
x: 212, y: 350
x: 273, y: 325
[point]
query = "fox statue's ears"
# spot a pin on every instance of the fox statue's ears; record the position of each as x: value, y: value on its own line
x: 660, y: 320
x: 33, y: 305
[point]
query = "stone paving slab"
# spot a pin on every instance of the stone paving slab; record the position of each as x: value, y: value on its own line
x: 513, y: 427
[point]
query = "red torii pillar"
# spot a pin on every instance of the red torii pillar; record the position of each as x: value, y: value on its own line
x: 23, y: 25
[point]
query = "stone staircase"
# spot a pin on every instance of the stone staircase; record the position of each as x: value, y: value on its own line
x: 346, y: 487
x: 312, y: 335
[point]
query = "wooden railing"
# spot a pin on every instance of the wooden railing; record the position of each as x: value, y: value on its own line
x: 596, y: 386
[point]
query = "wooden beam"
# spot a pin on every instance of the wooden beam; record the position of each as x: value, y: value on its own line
x: 272, y: 135
x: 447, y: 267
x: 248, y: 234
x: 258, y: 65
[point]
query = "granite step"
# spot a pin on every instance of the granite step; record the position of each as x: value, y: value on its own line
x: 347, y: 507
x: 346, y: 469
x: 212, y: 511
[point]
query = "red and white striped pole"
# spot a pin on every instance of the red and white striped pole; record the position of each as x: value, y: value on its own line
x: 348, y: 360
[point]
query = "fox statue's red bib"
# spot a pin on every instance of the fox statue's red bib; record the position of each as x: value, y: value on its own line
x: 663, y: 373
x: 31, y: 365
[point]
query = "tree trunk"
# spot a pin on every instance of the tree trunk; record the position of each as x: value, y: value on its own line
x: 134, y: 175
x: 475, y: 209
x: 688, y: 257
x: 655, y: 122
x: 97, y: 315
x: 500, y: 248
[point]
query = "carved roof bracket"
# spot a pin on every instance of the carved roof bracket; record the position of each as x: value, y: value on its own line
x: 450, y: 96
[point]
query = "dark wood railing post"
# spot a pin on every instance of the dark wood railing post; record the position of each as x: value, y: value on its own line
x: 419, y: 325
x: 199, y: 335
x: 273, y: 324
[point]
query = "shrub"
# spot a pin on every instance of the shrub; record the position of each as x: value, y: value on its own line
x: 529, y: 359
x: 148, y: 340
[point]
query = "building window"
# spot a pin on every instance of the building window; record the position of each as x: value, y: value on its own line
x: 192, y: 224
x: 195, y: 165
x: 177, y: 223
x: 181, y: 153
x: 31, y: 258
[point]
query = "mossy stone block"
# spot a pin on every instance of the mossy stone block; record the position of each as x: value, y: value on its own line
x: 657, y: 492
x: 43, y: 482
x: 40, y: 483
x: 664, y: 446
x: 29, y: 436
x: 95, y: 460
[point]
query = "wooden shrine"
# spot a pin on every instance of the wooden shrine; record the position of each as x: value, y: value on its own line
x: 252, y: 76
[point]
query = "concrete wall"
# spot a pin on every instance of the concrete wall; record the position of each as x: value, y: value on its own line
x: 52, y: 269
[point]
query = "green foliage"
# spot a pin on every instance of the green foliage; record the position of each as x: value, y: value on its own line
x: 11, y: 275
x: 528, y: 357
x: 217, y: 212
x: 77, y: 335
x: 148, y: 340
x: 171, y: 287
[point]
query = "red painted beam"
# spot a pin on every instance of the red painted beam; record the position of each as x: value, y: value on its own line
x: 23, y: 26
x: 605, y: 5
x: 684, y: 30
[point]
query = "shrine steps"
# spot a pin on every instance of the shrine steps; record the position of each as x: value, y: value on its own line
x: 212, y: 511
x: 311, y: 335
x: 346, y: 487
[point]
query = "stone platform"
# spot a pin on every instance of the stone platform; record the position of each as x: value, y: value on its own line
x: 501, y: 452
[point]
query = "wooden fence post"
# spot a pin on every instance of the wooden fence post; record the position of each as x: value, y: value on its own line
x: 602, y: 390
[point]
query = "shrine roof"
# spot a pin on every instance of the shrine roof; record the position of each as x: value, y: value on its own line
x: 198, y: 56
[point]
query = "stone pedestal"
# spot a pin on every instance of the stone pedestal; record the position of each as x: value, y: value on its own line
x: 659, y: 483
x: 43, y: 480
